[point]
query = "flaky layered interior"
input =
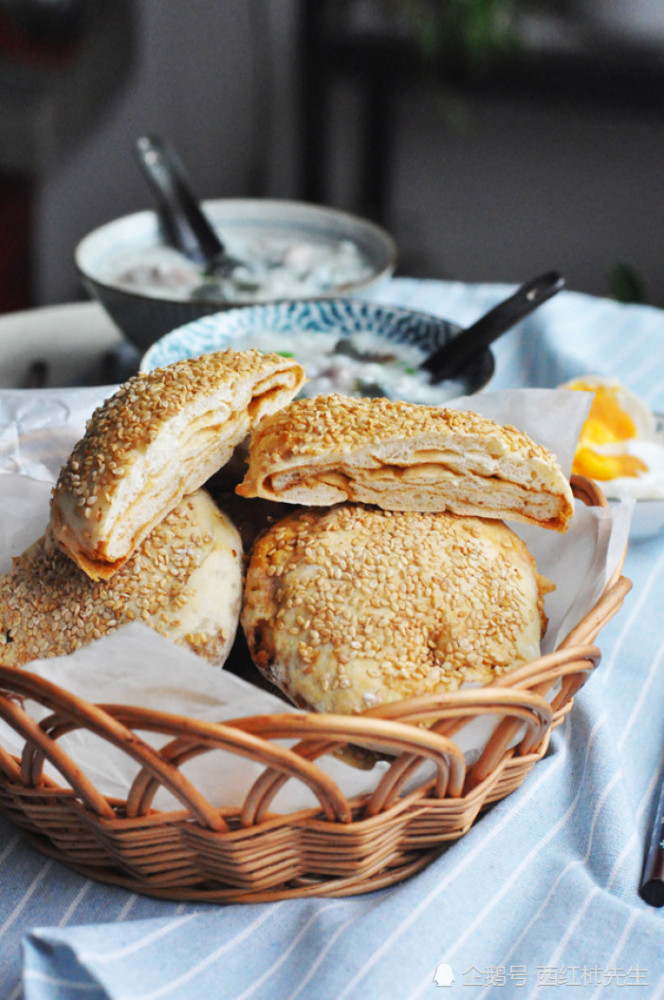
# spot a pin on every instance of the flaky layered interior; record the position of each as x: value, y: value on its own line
x: 419, y: 475
x: 142, y: 456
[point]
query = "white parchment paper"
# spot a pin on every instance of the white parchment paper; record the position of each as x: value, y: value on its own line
x: 135, y: 666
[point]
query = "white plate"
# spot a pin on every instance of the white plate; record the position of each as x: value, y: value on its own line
x: 648, y: 516
x: 647, y: 519
x: 75, y: 340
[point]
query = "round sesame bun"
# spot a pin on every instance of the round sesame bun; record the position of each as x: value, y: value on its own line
x: 184, y: 581
x: 403, y: 456
x: 158, y: 438
x: 350, y: 607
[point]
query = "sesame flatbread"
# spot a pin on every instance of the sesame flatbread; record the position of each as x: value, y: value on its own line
x: 403, y: 456
x: 158, y: 438
x: 184, y: 581
x: 348, y: 608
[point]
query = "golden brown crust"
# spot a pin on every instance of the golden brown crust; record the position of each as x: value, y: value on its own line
x: 402, y: 456
x: 353, y: 606
x: 315, y: 425
x: 184, y: 581
x: 158, y: 438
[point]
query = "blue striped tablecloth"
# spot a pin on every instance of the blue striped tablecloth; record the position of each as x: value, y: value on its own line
x: 539, y: 897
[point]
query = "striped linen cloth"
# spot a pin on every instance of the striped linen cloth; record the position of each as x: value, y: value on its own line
x: 540, y: 896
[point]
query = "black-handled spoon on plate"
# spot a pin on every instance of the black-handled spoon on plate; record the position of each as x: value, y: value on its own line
x: 184, y: 224
x: 449, y: 360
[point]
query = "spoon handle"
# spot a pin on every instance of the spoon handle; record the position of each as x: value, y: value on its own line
x: 449, y: 359
x: 184, y: 224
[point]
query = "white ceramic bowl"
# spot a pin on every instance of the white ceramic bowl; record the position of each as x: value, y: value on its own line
x: 143, y: 318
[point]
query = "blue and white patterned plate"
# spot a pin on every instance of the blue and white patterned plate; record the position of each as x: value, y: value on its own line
x: 341, y: 316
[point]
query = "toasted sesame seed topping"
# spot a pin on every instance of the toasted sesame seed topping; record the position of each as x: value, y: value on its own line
x: 132, y: 417
x: 50, y: 607
x: 313, y: 425
x: 403, y: 456
x: 160, y: 436
x: 355, y: 601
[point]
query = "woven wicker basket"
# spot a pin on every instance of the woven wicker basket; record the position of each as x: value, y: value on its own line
x: 249, y: 854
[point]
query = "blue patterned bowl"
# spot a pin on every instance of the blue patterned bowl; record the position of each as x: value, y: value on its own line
x: 311, y: 317
x: 143, y: 317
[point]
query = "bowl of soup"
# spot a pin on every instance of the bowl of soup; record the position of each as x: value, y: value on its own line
x: 348, y: 346
x: 287, y: 250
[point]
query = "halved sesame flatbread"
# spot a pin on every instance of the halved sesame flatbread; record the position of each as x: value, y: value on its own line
x: 353, y: 606
x: 158, y: 438
x: 184, y: 581
x: 402, y: 456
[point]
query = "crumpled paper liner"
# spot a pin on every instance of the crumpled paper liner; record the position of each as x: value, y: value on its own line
x: 136, y: 666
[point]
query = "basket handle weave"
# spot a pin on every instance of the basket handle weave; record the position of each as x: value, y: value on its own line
x: 80, y: 713
x: 379, y: 735
x: 194, y: 737
x: 254, y: 734
x: 37, y: 740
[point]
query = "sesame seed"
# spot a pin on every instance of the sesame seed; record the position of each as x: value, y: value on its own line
x: 121, y: 432
x: 325, y: 449
x: 51, y: 607
x: 439, y: 620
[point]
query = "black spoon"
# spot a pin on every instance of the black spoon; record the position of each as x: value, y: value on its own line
x: 451, y: 359
x: 183, y: 222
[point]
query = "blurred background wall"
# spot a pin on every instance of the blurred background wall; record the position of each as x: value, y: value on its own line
x: 552, y: 160
x: 205, y: 75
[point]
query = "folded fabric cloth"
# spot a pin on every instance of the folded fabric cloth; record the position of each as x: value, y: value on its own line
x: 540, y: 894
